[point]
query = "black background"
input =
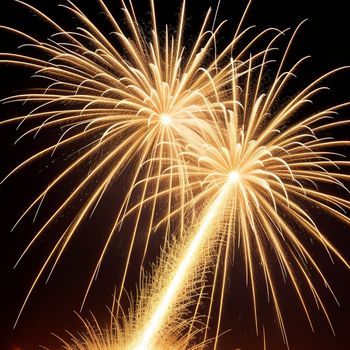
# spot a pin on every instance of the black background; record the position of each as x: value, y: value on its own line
x: 50, y: 310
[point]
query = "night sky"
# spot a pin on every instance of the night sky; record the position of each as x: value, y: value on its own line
x: 325, y: 36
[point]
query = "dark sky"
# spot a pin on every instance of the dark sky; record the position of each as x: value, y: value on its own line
x: 50, y: 309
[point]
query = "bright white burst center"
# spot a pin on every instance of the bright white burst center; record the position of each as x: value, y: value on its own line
x: 233, y: 176
x: 165, y: 119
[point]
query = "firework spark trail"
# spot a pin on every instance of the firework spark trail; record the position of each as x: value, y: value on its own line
x: 182, y: 271
x: 177, y: 331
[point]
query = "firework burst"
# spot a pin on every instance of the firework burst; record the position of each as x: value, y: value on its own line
x: 131, y: 103
x: 269, y: 166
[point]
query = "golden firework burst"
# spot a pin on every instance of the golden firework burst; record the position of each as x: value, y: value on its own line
x: 263, y: 168
x: 130, y: 103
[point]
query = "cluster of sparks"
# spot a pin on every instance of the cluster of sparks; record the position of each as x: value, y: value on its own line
x: 206, y: 144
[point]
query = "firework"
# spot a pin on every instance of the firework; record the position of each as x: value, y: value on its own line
x: 201, y: 134
x: 264, y: 167
x: 131, y: 103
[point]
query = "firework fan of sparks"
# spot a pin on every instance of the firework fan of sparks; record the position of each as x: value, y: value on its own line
x: 131, y: 103
x: 274, y: 163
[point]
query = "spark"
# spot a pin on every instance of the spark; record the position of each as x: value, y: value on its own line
x: 165, y: 119
x: 234, y: 177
